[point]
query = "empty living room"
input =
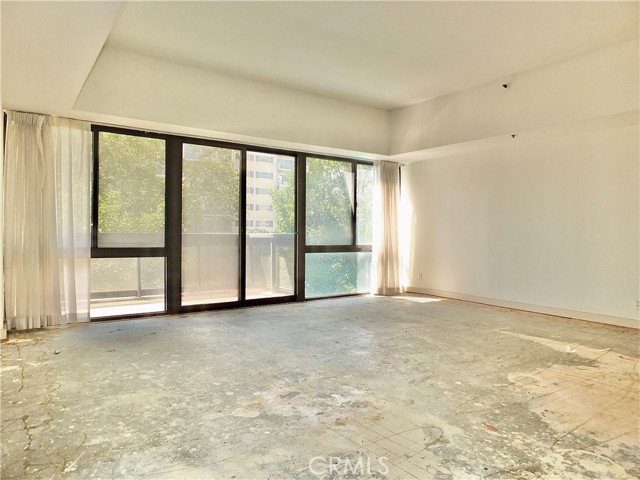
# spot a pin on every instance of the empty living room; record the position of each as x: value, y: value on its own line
x: 272, y: 240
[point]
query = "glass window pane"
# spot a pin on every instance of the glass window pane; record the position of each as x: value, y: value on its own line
x: 130, y: 191
x: 330, y: 200
x: 270, y: 262
x: 126, y: 286
x: 364, y: 205
x: 330, y: 274
x: 210, y: 221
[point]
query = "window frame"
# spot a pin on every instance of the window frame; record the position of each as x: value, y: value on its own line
x: 353, y: 247
x: 122, y: 252
x: 98, y: 252
x: 171, y: 252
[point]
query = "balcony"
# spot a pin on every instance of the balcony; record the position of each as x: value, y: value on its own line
x: 129, y: 286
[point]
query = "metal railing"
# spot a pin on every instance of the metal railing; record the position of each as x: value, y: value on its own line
x: 210, y: 263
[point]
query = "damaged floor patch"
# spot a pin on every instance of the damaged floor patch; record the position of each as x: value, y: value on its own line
x: 592, y: 394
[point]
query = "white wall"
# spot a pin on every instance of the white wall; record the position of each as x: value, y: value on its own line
x: 552, y: 224
x: 546, y: 222
x: 135, y: 86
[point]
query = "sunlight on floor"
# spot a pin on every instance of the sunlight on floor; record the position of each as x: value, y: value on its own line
x: 420, y: 299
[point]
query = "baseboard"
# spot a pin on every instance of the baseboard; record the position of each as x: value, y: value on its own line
x: 559, y: 312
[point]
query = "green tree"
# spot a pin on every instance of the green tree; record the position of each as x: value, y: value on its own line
x: 329, y: 202
x: 210, y: 189
x: 365, y: 205
x: 283, y: 199
x: 131, y: 184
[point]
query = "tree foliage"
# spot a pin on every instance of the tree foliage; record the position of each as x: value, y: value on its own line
x: 131, y: 185
x: 210, y: 190
x: 365, y: 205
x: 329, y: 202
x: 284, y: 198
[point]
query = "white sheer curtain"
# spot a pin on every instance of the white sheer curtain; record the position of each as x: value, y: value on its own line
x: 72, y: 150
x: 46, y: 213
x: 386, y: 252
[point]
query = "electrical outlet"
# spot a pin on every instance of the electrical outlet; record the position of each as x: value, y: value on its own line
x: 636, y: 304
x: 420, y: 276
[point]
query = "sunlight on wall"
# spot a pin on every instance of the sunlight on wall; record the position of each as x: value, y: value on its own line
x: 406, y: 225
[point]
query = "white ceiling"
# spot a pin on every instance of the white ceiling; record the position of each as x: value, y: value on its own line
x: 48, y: 50
x: 385, y: 54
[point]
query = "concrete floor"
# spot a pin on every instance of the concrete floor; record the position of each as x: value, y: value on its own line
x: 425, y: 389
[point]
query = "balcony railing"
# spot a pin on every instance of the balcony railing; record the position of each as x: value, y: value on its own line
x: 209, y: 267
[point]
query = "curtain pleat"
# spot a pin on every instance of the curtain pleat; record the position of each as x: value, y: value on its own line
x: 41, y: 208
x: 386, y: 251
x: 32, y: 291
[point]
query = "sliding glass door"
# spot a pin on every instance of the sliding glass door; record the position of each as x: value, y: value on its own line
x: 210, y: 224
x: 270, y: 225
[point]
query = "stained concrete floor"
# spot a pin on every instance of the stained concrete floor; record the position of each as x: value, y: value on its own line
x: 425, y: 389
